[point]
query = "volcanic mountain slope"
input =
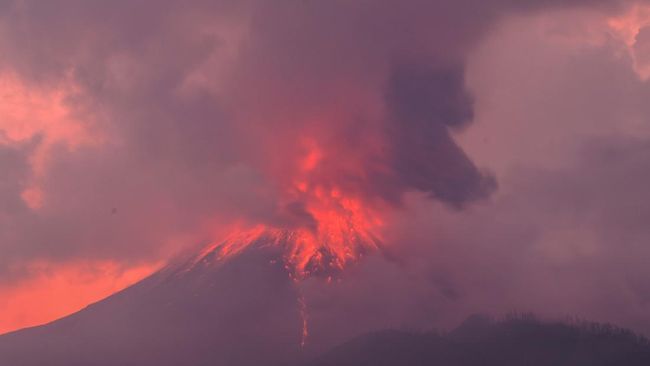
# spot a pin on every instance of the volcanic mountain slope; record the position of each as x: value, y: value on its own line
x: 241, y: 311
x: 518, y: 341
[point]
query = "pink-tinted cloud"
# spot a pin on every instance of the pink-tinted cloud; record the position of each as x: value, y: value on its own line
x: 32, y: 113
x: 53, y: 291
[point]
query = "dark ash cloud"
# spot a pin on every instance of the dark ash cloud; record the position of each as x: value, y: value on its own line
x: 425, y: 104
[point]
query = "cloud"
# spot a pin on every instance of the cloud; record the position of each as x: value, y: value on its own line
x: 425, y: 104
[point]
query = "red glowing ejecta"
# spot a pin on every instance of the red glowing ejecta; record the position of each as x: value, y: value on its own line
x: 338, y: 230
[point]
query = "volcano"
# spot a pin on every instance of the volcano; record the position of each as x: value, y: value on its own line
x: 234, y: 302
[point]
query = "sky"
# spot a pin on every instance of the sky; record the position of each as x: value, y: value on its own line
x: 504, y: 145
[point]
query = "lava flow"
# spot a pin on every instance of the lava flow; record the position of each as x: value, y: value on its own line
x: 339, y: 238
x: 343, y: 233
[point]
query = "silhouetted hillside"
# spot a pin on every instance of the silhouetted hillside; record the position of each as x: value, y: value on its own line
x: 517, y: 340
x: 239, y: 312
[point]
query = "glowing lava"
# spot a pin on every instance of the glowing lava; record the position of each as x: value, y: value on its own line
x: 326, y: 228
x: 341, y: 236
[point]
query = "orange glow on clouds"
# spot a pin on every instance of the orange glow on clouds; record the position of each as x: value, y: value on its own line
x: 27, y: 112
x: 627, y: 28
x: 58, y: 290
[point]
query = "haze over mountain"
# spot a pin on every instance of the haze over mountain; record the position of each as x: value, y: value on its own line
x: 246, y: 309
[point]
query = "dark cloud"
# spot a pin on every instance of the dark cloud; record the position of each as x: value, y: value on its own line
x: 425, y: 104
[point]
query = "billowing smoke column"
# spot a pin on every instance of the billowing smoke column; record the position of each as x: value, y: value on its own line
x: 309, y: 118
x: 329, y: 210
x: 345, y: 121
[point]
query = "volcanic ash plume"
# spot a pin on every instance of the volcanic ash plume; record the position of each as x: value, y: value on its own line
x: 333, y: 194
